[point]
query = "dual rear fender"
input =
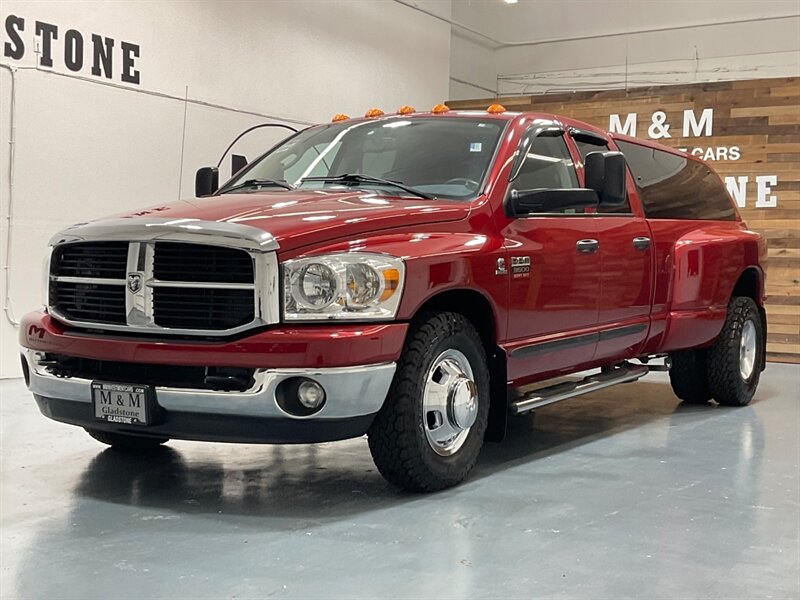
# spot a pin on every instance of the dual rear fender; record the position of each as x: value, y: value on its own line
x: 707, y: 265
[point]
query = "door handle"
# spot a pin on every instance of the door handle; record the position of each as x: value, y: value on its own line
x: 641, y: 243
x: 587, y: 246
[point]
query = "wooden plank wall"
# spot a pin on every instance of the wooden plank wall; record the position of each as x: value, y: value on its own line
x: 761, y: 119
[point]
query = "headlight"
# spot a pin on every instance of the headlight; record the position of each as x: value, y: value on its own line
x: 356, y: 285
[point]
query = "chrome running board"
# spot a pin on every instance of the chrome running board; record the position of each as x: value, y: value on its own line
x: 624, y: 373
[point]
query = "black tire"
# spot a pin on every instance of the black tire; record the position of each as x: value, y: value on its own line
x: 397, y: 438
x: 688, y: 376
x: 127, y: 443
x: 725, y: 381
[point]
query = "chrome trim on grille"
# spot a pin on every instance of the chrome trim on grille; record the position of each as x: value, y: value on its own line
x: 208, y: 285
x: 139, y: 305
x: 99, y: 280
x: 141, y: 234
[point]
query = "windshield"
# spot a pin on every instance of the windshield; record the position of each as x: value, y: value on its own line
x: 440, y: 157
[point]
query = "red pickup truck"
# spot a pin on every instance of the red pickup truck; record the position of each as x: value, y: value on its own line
x: 401, y: 276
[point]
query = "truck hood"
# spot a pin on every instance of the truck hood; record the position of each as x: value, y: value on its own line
x: 302, y: 218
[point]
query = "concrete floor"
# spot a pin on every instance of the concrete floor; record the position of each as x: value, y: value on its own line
x: 623, y: 494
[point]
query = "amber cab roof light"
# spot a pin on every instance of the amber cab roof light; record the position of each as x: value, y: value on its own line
x: 406, y: 110
x: 496, y: 109
x: 339, y: 117
x: 440, y: 109
x: 373, y: 112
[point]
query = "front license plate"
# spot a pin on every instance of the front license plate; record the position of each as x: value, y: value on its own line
x: 127, y: 404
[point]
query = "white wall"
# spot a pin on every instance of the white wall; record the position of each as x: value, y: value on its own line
x: 606, y: 54
x: 84, y: 149
x: 473, y: 66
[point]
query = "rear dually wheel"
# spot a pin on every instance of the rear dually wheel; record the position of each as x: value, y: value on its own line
x: 734, y: 361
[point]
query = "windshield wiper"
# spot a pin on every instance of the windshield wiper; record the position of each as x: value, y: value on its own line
x: 358, y: 178
x: 259, y: 183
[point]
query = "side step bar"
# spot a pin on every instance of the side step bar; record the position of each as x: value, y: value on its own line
x: 542, y: 397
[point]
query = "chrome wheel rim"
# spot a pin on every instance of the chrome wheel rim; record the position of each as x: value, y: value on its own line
x: 449, y: 402
x: 747, y: 350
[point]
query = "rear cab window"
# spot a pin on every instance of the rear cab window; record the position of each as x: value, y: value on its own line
x: 672, y: 186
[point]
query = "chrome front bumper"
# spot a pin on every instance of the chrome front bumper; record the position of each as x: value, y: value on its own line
x: 350, y: 392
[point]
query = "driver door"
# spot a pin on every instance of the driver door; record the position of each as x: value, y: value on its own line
x: 553, y: 266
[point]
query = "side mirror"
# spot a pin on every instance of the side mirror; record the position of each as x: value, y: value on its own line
x: 546, y: 200
x: 206, y: 181
x: 614, y: 191
x: 604, y: 173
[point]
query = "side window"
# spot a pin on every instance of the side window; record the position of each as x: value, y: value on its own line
x: 674, y: 187
x: 586, y: 145
x: 585, y: 148
x: 548, y: 164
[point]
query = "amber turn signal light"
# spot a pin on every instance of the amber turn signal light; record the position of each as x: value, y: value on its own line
x: 391, y: 281
x: 406, y: 110
x: 373, y: 112
x: 440, y: 109
x: 496, y: 109
x: 339, y: 117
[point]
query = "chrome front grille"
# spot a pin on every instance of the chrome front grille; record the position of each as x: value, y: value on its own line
x: 164, y: 280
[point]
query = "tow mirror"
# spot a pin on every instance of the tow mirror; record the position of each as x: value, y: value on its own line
x: 547, y: 200
x: 604, y: 172
x: 206, y: 181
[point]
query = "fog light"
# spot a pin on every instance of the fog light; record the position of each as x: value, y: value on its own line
x: 310, y: 394
x: 300, y: 396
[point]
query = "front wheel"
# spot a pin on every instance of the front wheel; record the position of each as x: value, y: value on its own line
x: 429, y: 432
x: 734, y: 361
